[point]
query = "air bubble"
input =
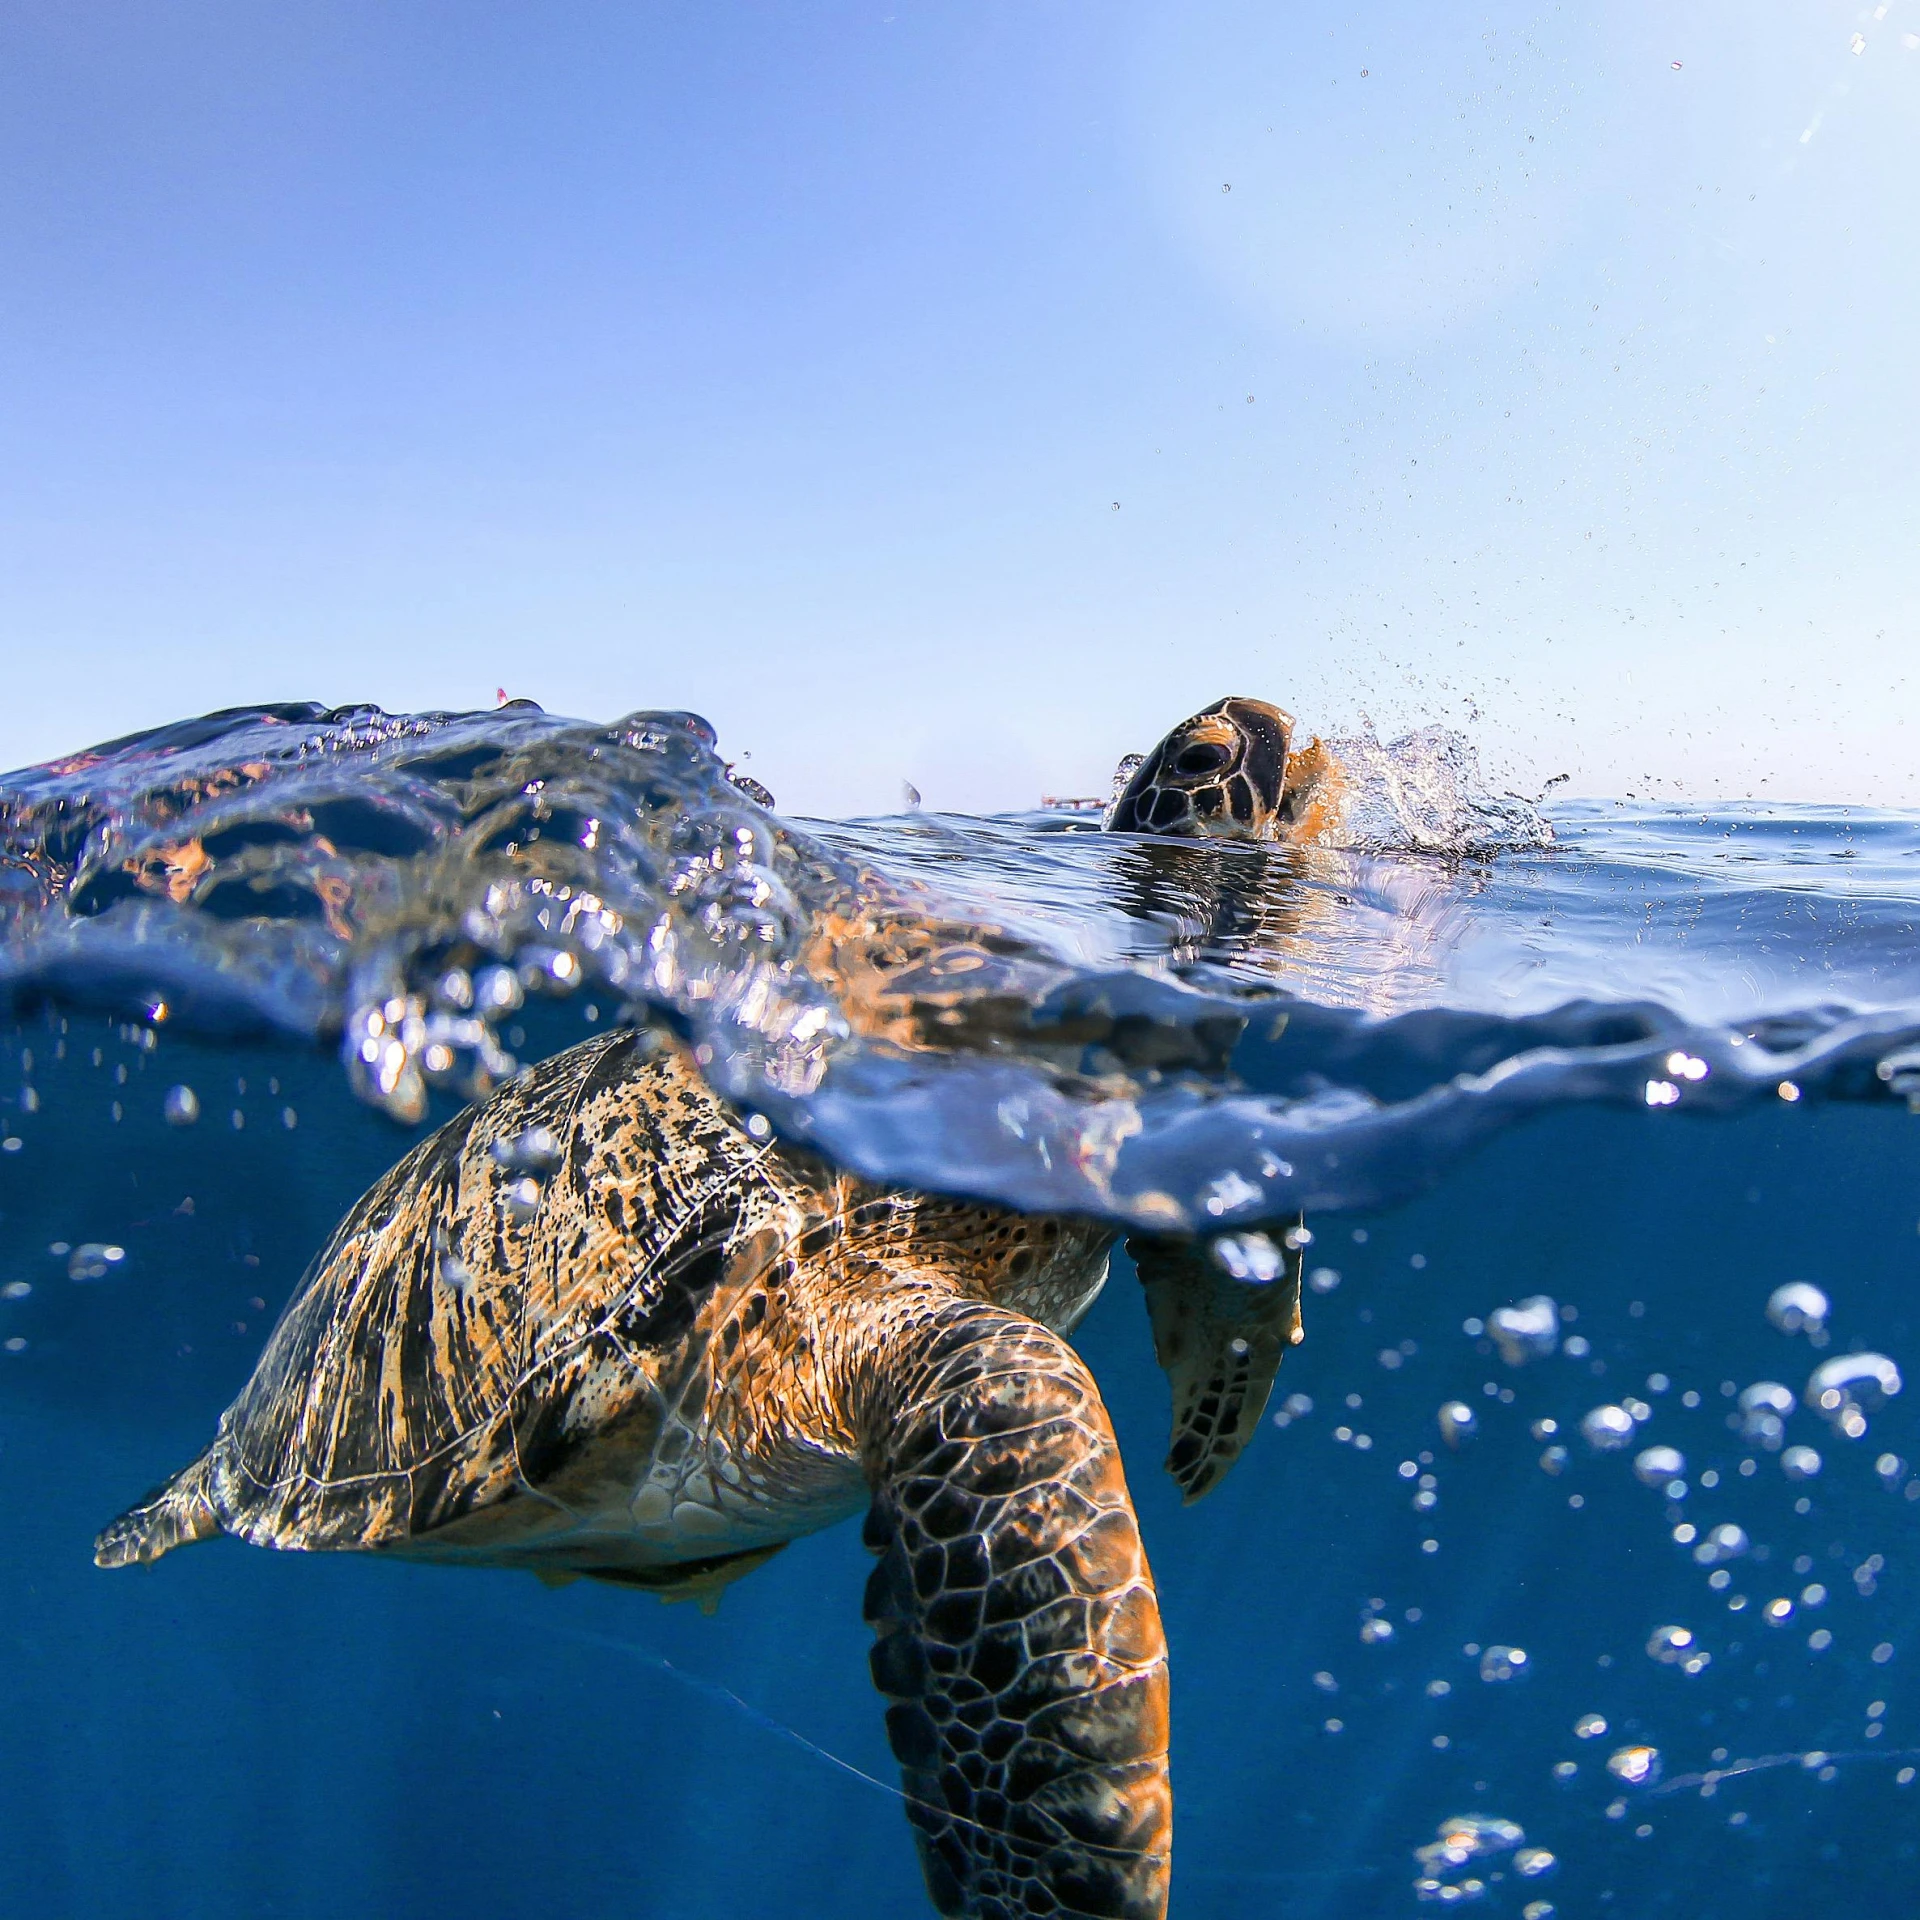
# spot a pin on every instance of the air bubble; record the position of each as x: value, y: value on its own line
x: 1637, y: 1766
x: 535, y: 1151
x: 1607, y: 1429
x: 1590, y: 1726
x: 1677, y: 1647
x: 1246, y: 1256
x: 1500, y: 1664
x: 1324, y: 1279
x: 94, y: 1261
x: 1839, y: 1390
x: 497, y: 990
x: 1722, y: 1543
x: 1800, y: 1463
x: 521, y: 1198
x: 1528, y: 1331
x: 181, y: 1107
x: 1458, y: 1423
x: 1468, y: 1837
x: 1799, y: 1308
x: 1656, y: 1466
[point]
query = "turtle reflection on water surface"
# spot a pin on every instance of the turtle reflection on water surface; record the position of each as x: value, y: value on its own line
x: 692, y: 1344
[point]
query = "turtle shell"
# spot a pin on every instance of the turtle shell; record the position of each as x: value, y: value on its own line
x: 513, y: 1300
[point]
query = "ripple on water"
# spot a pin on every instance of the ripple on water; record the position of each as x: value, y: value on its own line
x: 1162, y: 1034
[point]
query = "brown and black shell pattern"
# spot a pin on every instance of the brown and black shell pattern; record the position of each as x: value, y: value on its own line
x: 570, y: 1331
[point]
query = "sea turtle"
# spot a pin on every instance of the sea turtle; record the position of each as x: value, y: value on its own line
x: 1210, y: 777
x: 603, y: 1325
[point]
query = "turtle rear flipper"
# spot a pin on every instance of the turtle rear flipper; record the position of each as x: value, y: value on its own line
x: 172, y: 1515
x: 1020, y: 1645
x: 1220, y: 1342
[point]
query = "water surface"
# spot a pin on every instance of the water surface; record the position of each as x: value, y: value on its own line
x: 1648, y: 1063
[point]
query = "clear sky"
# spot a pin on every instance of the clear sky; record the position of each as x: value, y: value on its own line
x: 963, y: 392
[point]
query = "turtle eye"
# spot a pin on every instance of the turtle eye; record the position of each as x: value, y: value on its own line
x: 1204, y: 756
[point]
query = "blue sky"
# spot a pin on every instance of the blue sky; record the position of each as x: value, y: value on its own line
x: 963, y: 392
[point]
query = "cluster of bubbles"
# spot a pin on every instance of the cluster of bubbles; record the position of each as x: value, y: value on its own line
x: 1842, y: 1391
x: 1456, y: 1865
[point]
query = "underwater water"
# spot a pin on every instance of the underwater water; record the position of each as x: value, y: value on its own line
x: 1573, y: 1571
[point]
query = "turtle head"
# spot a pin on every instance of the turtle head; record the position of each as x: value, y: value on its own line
x: 1221, y: 775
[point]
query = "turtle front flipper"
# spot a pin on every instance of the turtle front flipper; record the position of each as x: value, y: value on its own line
x: 1020, y: 1645
x: 1220, y: 1341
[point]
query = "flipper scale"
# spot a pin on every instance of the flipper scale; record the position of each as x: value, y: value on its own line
x: 1020, y: 1645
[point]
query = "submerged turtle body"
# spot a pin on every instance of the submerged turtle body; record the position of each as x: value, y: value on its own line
x: 602, y: 1325
x: 562, y: 1333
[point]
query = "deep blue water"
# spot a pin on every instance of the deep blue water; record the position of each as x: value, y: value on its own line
x: 241, y: 1732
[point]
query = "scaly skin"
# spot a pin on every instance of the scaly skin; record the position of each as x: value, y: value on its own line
x: 1020, y: 1640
